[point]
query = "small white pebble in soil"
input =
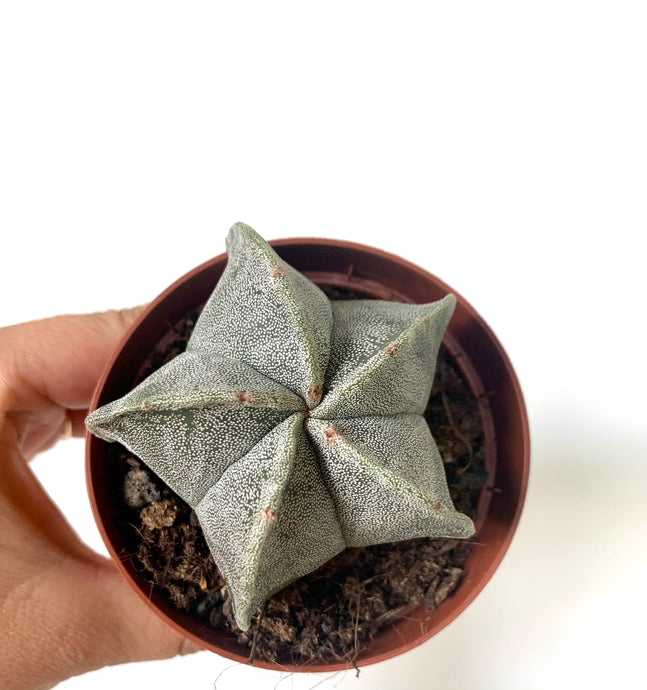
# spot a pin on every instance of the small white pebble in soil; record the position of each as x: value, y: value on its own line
x: 139, y: 489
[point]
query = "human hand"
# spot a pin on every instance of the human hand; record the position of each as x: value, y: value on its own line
x: 64, y: 609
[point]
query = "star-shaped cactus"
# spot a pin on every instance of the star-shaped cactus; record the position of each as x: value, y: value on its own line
x: 293, y: 424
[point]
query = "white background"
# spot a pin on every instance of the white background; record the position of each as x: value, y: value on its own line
x: 500, y: 145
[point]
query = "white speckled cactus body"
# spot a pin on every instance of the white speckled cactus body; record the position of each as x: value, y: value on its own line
x: 293, y: 424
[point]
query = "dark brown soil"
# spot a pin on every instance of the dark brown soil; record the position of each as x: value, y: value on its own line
x: 332, y: 612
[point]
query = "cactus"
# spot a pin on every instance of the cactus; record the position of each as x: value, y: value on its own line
x: 293, y: 424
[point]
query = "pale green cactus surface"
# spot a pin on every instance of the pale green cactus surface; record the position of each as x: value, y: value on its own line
x: 293, y: 424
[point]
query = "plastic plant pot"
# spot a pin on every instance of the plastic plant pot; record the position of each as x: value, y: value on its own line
x: 477, y: 353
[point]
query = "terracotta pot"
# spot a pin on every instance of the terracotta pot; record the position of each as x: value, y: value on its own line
x: 478, y: 354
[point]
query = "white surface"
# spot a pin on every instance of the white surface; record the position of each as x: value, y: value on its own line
x: 501, y: 146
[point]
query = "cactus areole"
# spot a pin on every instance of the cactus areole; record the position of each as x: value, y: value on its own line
x: 292, y: 424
